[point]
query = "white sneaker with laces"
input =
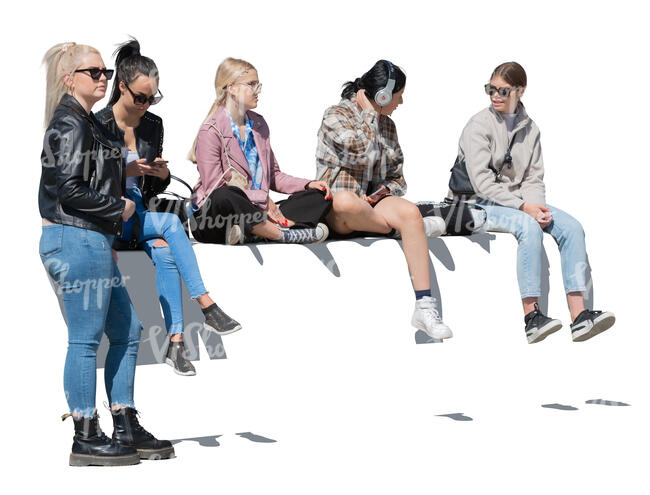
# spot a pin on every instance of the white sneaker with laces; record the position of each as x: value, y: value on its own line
x: 434, y: 226
x: 427, y: 318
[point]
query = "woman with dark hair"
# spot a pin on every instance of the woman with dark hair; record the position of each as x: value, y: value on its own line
x: 238, y: 168
x: 161, y: 235
x: 501, y: 149
x: 82, y: 209
x: 359, y: 156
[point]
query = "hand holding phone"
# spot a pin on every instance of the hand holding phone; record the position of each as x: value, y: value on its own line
x: 378, y: 194
x: 159, y: 168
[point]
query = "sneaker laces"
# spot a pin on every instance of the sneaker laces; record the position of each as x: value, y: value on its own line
x: 429, y: 310
x: 301, y: 236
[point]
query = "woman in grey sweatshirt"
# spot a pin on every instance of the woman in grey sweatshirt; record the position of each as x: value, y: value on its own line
x: 501, y: 149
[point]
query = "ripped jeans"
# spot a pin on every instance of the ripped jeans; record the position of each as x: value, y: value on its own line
x: 95, y: 302
x: 172, y: 262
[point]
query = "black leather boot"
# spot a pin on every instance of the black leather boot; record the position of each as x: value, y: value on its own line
x: 128, y: 431
x: 90, y: 447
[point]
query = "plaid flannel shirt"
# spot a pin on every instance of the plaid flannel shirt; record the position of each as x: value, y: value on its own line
x: 348, y: 151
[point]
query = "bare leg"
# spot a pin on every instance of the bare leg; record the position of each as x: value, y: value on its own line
x: 529, y: 304
x: 576, y: 302
x: 404, y: 216
x: 350, y: 213
x: 267, y: 230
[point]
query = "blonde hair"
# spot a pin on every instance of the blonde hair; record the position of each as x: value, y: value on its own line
x: 228, y: 72
x: 61, y: 59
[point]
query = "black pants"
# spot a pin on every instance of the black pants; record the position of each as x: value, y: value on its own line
x: 228, y: 206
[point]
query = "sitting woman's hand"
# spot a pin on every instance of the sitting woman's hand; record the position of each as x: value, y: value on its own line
x: 138, y: 168
x: 540, y: 213
x: 276, y: 216
x: 321, y: 186
x: 160, y: 169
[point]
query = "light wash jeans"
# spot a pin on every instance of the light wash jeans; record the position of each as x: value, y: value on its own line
x: 171, y: 262
x: 95, y: 301
x: 566, y: 231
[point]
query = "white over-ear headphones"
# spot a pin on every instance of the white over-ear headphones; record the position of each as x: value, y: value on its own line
x: 385, y: 95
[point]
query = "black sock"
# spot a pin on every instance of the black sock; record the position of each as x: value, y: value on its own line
x: 419, y: 294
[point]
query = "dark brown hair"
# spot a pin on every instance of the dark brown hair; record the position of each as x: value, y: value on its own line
x: 512, y: 73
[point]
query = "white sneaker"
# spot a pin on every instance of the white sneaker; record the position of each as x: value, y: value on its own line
x: 234, y: 235
x: 434, y: 226
x: 427, y: 319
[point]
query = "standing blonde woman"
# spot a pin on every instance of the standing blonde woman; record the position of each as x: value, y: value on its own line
x: 82, y: 207
x: 237, y: 170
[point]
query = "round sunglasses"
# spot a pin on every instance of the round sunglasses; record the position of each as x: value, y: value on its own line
x: 503, y: 92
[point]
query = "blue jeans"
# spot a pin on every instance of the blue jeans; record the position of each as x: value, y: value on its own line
x: 171, y: 262
x: 168, y: 281
x: 566, y: 231
x: 95, y: 301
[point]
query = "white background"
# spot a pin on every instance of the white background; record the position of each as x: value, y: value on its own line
x: 325, y: 365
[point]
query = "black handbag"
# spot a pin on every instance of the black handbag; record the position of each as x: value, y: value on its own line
x: 174, y: 203
x: 177, y: 204
x: 306, y: 208
x: 461, y: 217
x: 459, y: 182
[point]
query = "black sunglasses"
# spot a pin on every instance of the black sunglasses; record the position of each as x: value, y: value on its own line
x: 503, y: 92
x: 96, y: 73
x: 141, y: 99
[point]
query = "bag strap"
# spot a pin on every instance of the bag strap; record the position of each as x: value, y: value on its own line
x: 508, y: 157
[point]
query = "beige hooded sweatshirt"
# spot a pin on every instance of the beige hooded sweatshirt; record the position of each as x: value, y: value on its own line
x: 484, y: 142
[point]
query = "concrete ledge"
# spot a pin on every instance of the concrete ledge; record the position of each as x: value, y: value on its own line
x: 484, y: 266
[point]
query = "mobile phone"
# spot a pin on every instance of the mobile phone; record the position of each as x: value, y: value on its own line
x: 158, y: 162
x: 382, y: 191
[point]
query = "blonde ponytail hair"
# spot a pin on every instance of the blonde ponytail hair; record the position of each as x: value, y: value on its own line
x: 228, y: 72
x: 61, y: 59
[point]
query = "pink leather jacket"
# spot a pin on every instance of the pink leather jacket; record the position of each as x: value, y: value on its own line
x: 212, y: 165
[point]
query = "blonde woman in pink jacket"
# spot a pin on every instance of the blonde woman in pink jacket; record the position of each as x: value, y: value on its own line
x: 237, y: 170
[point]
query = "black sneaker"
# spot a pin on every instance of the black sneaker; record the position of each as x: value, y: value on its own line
x: 219, y: 322
x: 539, y: 326
x: 590, y: 323
x: 177, y: 358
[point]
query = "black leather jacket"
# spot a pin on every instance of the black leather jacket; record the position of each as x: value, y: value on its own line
x: 148, y: 142
x: 83, y: 174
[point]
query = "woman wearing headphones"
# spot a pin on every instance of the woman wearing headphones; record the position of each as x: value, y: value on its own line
x: 237, y: 170
x: 359, y: 156
x: 82, y: 209
x: 161, y: 235
x: 501, y: 149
